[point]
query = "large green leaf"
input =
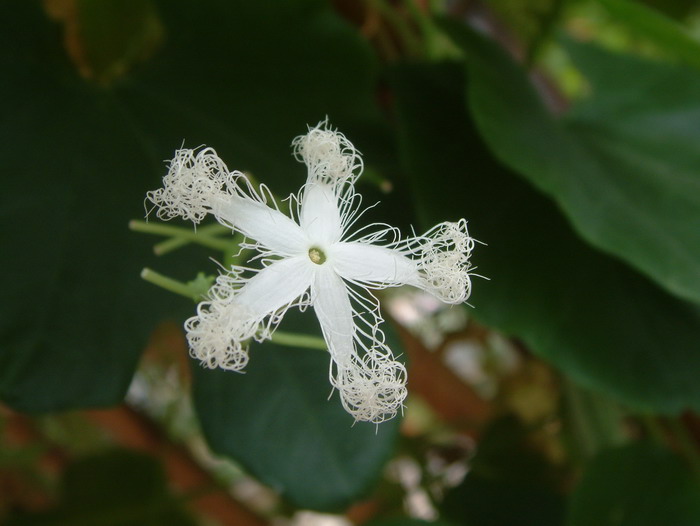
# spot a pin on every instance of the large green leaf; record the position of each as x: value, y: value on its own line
x: 78, y: 157
x: 675, y: 9
x: 624, y: 166
x: 637, y: 485
x: 74, y: 314
x: 649, y: 24
x: 595, y: 318
x: 248, y: 77
x: 278, y: 421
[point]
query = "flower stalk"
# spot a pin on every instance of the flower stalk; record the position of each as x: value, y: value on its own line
x: 172, y: 285
x: 182, y: 235
x: 175, y: 243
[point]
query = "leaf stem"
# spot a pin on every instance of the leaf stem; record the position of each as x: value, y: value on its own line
x: 298, y: 340
x: 170, y: 284
x: 413, y: 44
x: 179, y: 232
x: 174, y: 243
x: 595, y: 420
x: 654, y: 428
x: 547, y: 25
x: 425, y: 23
x: 685, y: 442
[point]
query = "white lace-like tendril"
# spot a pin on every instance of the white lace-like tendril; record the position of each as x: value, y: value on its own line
x: 372, y: 390
x: 444, y: 260
x: 193, y: 180
x: 218, y: 336
x: 329, y: 156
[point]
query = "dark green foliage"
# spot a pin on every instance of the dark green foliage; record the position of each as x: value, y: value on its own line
x: 507, y: 469
x: 116, y: 488
x: 81, y: 157
x: 637, y: 485
x: 595, y: 318
x: 622, y: 165
x: 278, y: 421
x: 591, y: 219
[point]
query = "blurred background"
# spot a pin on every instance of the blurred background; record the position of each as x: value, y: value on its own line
x: 565, y: 131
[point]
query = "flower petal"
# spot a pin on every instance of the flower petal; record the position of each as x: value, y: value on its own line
x: 372, y: 385
x: 239, y: 309
x: 331, y: 302
x: 320, y: 216
x: 265, y: 224
x: 444, y: 260
x: 437, y: 261
x: 373, y: 265
x: 276, y: 285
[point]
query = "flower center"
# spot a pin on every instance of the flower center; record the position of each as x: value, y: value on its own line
x: 317, y: 256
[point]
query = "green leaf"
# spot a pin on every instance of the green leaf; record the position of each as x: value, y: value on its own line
x: 277, y: 420
x: 75, y: 314
x: 244, y: 77
x: 115, y: 488
x: 651, y: 25
x: 674, y: 9
x: 637, y: 485
x: 623, y: 166
x: 608, y: 327
x: 532, y: 21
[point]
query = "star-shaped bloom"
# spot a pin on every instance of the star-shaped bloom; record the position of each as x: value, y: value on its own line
x: 314, y: 258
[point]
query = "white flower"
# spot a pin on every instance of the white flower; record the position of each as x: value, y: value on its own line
x: 312, y: 258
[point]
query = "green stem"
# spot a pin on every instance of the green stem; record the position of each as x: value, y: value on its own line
x: 654, y: 428
x: 298, y: 340
x: 686, y: 442
x: 279, y: 337
x: 403, y: 30
x: 178, y: 232
x: 174, y: 243
x: 548, y: 24
x: 387, y: 47
x: 169, y: 284
x: 435, y: 7
x: 595, y: 420
x: 371, y: 175
x: 429, y: 31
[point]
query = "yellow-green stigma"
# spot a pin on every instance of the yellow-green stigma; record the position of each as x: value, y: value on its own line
x: 317, y: 256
